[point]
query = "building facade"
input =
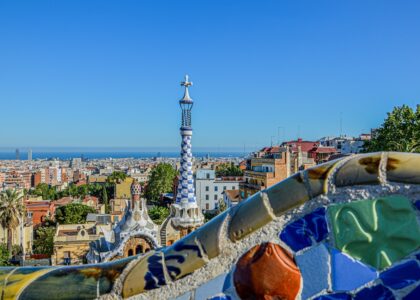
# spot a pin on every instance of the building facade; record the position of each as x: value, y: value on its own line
x: 209, y: 189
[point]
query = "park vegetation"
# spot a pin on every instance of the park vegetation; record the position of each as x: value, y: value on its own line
x: 399, y: 132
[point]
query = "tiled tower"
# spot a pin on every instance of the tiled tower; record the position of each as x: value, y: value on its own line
x: 186, y: 215
x: 135, y: 192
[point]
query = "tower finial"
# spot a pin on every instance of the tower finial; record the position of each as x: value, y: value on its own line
x: 186, y: 84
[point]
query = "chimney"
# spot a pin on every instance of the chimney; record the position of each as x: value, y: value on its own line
x: 300, y: 159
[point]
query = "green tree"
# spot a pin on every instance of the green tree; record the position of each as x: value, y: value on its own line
x: 4, y: 255
x: 73, y: 213
x: 116, y: 177
x: 158, y: 214
x: 399, y: 132
x: 46, y: 192
x: 161, y: 181
x: 228, y: 169
x: 11, y: 211
x: 44, y: 240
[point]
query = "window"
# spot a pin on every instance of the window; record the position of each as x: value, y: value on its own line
x: 224, y: 188
x: 207, y: 188
x: 215, y: 197
x: 207, y: 206
x: 233, y: 187
x: 139, y: 249
x: 67, y: 259
x: 208, y: 176
x: 207, y: 197
x: 215, y: 188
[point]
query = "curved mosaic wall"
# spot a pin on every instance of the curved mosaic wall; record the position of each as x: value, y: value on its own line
x: 358, y: 237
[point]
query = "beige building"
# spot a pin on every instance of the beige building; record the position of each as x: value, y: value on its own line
x: 22, y: 236
x: 71, y: 242
x: 123, y: 189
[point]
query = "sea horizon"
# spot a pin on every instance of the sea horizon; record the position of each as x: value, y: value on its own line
x: 67, y: 155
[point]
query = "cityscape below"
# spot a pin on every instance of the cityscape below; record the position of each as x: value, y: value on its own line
x: 23, y: 155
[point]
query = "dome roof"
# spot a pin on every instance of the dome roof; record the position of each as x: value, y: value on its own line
x: 135, y: 188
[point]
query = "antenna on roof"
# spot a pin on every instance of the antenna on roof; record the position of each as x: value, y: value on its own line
x: 341, y: 124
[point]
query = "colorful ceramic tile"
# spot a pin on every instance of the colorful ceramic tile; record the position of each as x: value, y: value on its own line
x: 361, y: 169
x: 306, y: 231
x: 417, y: 204
x: 336, y: 296
x: 317, y: 177
x: 80, y: 282
x: 267, y: 271
x: 147, y: 273
x: 378, y: 232
x: 219, y: 297
x: 314, y: 267
x: 186, y: 296
x: 20, y: 278
x: 211, y: 288
x: 249, y: 216
x: 414, y: 294
x: 184, y: 257
x: 403, y: 167
x: 375, y: 292
x: 209, y: 235
x: 287, y: 194
x: 401, y: 275
x: 348, y: 274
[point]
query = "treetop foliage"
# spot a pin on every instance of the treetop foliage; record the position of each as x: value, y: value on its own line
x: 73, y: 213
x: 399, y: 132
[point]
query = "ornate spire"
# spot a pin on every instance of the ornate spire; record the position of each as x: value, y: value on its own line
x: 185, y: 211
x: 186, y: 84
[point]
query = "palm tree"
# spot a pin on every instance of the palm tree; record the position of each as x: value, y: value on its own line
x: 11, y: 211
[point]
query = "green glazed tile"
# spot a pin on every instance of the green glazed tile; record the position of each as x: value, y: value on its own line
x: 377, y: 232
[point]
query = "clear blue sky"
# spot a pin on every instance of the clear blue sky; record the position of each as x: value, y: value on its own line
x: 107, y: 73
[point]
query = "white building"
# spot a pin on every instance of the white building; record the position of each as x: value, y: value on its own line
x: 346, y: 144
x: 209, y: 189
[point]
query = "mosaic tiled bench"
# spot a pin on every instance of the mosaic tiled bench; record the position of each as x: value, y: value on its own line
x: 347, y: 229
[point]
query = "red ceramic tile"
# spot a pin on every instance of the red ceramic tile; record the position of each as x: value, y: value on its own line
x: 267, y: 271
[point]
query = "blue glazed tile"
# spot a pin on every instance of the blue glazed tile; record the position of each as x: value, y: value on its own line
x: 417, y: 204
x: 211, y: 288
x: 314, y: 268
x: 413, y: 295
x: 349, y: 274
x: 306, y: 231
x: 155, y: 277
x: 219, y: 297
x: 186, y: 296
x: 401, y: 275
x: 337, y: 296
x: 375, y: 292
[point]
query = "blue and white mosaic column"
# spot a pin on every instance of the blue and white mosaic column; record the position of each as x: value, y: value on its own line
x: 186, y: 190
x: 185, y: 211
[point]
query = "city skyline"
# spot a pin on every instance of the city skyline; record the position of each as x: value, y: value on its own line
x: 102, y: 74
